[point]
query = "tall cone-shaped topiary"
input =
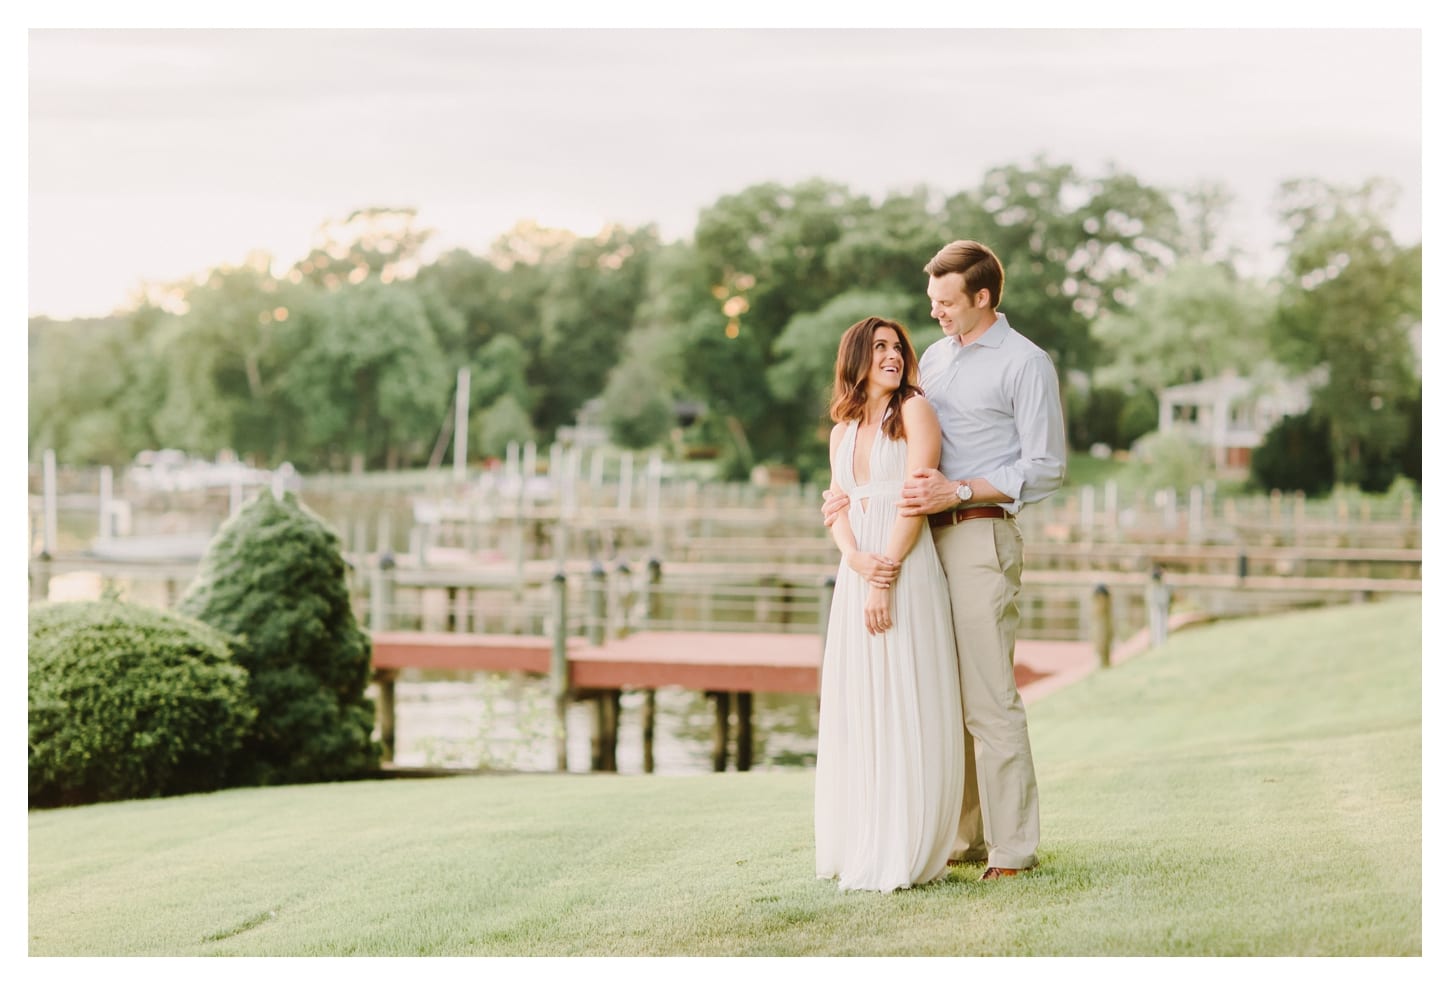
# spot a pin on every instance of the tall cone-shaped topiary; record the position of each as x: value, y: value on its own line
x: 274, y: 579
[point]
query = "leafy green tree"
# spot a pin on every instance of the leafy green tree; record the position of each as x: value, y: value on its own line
x: 1349, y: 298
x: 1138, y: 417
x: 371, y: 375
x: 886, y: 248
x: 501, y: 370
x: 499, y: 423
x: 93, y: 388
x: 638, y: 408
x: 225, y: 356
x: 805, y: 358
x: 275, y: 581
x: 589, y: 307
x: 1072, y: 247
x: 127, y: 701
x: 377, y: 241
x: 762, y: 257
x: 1093, y: 416
x: 1204, y: 210
x: 1195, y: 322
x: 495, y: 296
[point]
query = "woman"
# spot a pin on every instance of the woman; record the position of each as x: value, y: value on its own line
x: 890, y: 762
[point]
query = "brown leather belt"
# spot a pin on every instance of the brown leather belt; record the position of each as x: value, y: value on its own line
x: 952, y: 517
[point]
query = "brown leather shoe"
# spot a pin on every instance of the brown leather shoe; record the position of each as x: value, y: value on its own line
x: 998, y: 873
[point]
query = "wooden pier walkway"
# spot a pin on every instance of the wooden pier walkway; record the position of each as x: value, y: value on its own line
x: 730, y: 667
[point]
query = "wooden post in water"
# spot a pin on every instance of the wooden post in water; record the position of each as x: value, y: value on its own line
x: 648, y: 731
x: 1103, y: 625
x: 606, y: 703
x: 559, y: 671
x: 378, y: 603
x: 596, y: 604
x: 621, y: 599
x: 651, y: 614
x: 387, y: 710
x: 744, y: 731
x: 722, y: 726
x: 1158, y: 598
x: 609, y: 730
x: 47, y: 481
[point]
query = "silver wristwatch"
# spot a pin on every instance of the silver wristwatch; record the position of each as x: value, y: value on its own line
x: 964, y: 492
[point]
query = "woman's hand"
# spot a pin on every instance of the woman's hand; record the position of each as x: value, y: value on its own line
x: 879, y: 570
x: 878, y: 610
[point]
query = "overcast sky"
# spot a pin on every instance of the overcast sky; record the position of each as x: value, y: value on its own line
x: 157, y: 155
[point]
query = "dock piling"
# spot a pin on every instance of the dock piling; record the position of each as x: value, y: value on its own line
x: 559, y: 671
x: 1103, y: 625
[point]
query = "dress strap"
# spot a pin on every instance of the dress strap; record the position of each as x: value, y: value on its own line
x: 871, y: 490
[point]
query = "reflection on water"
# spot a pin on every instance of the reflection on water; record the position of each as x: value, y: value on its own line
x: 505, y: 721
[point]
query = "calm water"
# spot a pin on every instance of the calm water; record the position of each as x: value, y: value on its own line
x: 504, y: 721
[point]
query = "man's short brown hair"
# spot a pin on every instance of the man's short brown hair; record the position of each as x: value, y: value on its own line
x: 978, y: 266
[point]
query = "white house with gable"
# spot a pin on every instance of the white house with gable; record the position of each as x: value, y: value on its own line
x: 1231, y: 414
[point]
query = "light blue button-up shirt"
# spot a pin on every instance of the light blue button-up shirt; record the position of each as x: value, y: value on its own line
x: 1000, y: 411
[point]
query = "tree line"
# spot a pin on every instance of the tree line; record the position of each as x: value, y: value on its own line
x: 722, y: 345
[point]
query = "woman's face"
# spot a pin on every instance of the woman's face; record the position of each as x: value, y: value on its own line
x: 887, y: 362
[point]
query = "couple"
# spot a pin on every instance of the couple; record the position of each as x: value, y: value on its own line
x: 923, y: 752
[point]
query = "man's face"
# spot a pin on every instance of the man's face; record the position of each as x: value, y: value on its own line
x: 958, y: 315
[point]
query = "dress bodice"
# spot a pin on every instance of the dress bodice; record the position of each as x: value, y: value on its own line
x: 886, y: 468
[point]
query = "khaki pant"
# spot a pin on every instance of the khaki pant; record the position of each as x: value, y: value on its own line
x: 982, y: 559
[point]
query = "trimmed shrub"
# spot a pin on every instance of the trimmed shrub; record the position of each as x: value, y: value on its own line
x: 274, y: 578
x: 1296, y: 455
x: 1095, y: 416
x: 127, y: 702
x: 1138, y: 417
x: 1174, y: 461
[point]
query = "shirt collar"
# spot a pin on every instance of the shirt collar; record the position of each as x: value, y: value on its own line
x: 993, y: 337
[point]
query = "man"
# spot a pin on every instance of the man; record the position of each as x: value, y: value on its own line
x: 1003, y: 445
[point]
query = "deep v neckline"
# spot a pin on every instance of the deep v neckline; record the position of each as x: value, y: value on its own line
x: 870, y: 453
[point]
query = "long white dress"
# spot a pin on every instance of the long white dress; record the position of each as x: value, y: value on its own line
x: 889, y: 764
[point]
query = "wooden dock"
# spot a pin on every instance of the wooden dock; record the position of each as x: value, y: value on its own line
x: 728, y: 667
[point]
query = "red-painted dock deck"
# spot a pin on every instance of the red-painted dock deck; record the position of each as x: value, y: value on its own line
x: 785, y: 663
x: 722, y: 664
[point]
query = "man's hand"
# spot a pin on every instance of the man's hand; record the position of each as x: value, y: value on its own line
x: 834, y: 503
x: 879, y: 570
x: 927, y: 491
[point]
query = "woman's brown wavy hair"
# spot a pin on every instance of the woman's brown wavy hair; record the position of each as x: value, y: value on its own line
x: 853, y: 364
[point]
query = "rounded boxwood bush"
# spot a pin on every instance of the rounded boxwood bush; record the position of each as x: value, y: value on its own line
x: 128, y: 701
x: 274, y: 580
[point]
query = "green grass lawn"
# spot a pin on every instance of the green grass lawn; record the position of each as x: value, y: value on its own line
x: 1251, y: 788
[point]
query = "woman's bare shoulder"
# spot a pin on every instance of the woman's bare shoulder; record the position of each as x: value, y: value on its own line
x: 917, y: 408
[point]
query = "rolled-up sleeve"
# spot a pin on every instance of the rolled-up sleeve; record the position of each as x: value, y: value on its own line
x: 1037, y: 409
